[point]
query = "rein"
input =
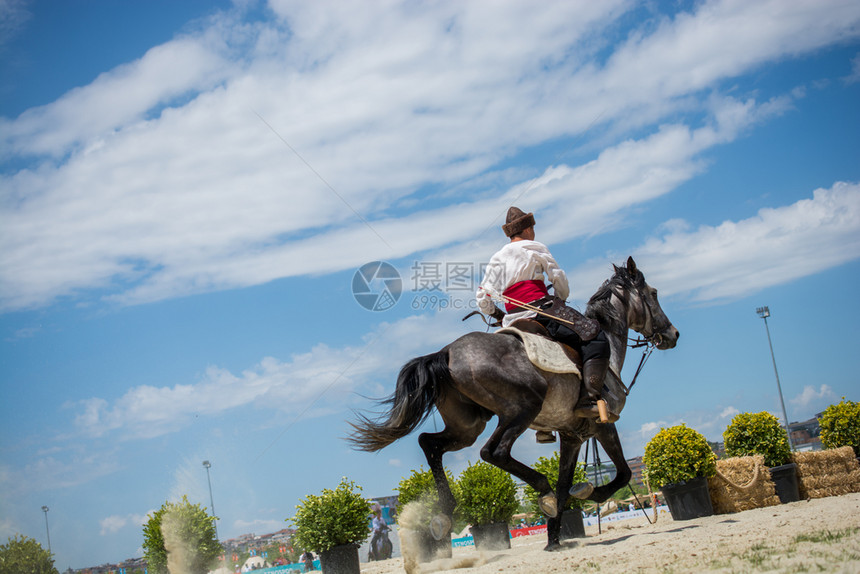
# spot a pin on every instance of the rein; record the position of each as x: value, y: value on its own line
x: 649, y: 345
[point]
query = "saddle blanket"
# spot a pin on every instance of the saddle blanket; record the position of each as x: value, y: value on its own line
x: 542, y: 352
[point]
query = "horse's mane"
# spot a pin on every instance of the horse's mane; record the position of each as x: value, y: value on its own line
x: 600, y: 305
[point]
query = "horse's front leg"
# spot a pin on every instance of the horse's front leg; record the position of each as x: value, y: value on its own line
x: 568, y: 457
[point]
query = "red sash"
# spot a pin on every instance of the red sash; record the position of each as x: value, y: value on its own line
x: 524, y: 292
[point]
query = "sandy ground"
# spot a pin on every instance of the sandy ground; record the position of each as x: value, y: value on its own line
x: 820, y: 535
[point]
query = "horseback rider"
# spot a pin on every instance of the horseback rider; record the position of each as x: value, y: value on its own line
x: 517, y: 272
x: 379, y: 529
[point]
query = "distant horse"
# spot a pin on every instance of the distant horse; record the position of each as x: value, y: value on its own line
x: 482, y: 374
x: 380, y: 548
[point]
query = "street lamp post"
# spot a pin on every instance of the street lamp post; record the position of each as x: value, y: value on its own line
x: 764, y: 313
x: 47, y: 531
x: 211, y: 501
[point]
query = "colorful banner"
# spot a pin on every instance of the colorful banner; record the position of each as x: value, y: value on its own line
x: 528, y: 530
x: 287, y: 568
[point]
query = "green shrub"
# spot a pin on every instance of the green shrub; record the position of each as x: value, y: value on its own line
x: 488, y: 494
x: 840, y: 426
x: 757, y: 433
x: 24, y: 555
x: 420, y: 486
x: 180, y: 536
x: 335, y: 517
x: 549, y: 468
x: 678, y: 454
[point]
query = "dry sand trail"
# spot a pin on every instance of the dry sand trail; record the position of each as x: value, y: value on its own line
x: 818, y: 535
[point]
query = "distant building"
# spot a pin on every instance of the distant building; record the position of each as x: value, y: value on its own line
x: 636, y: 467
x: 806, y: 435
x: 718, y: 448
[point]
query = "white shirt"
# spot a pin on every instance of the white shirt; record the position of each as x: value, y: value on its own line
x: 519, y: 261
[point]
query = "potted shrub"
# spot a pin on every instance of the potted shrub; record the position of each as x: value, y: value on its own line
x: 760, y: 433
x: 418, y: 492
x: 333, y: 524
x: 840, y: 426
x: 679, y: 460
x: 571, y: 516
x: 488, y: 501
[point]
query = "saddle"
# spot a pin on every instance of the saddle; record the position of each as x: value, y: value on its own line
x: 542, y: 350
x: 555, y: 357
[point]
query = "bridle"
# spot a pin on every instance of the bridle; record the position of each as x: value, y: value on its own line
x: 649, y: 341
x: 646, y: 340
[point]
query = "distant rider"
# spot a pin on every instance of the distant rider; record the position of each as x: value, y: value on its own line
x: 379, y: 527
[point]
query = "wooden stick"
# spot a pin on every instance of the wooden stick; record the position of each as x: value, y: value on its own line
x: 528, y: 307
x: 603, y: 410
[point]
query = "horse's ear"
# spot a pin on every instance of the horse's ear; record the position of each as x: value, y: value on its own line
x: 631, y: 266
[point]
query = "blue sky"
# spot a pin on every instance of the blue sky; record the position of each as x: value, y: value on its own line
x: 188, y: 190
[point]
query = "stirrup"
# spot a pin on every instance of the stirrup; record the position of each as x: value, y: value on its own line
x: 544, y: 437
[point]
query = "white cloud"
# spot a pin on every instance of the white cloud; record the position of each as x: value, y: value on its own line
x: 69, y: 468
x: 115, y: 523
x: 729, y: 412
x: 736, y: 259
x: 294, y: 386
x: 116, y: 99
x: 650, y: 428
x: 379, y: 101
x: 813, y: 397
x: 13, y: 16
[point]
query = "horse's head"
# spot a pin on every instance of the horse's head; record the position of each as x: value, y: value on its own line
x: 643, y: 312
x: 644, y: 315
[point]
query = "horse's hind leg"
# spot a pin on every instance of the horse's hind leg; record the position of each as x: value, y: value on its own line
x: 497, y: 451
x: 463, y: 425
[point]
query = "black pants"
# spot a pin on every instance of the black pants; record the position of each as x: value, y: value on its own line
x: 597, y: 348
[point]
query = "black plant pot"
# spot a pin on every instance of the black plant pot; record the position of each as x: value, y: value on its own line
x: 690, y: 499
x: 572, y: 525
x: 785, y: 479
x: 495, y: 536
x: 341, y: 559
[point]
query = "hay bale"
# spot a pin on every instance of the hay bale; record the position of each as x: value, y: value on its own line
x: 832, y: 472
x: 741, y: 483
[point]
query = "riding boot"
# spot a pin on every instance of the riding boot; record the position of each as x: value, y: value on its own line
x: 593, y: 373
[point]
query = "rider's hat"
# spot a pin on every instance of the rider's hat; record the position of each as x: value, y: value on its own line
x: 517, y: 221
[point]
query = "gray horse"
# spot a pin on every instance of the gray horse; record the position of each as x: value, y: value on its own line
x: 482, y: 374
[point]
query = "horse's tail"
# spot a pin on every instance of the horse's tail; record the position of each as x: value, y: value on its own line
x: 418, y: 387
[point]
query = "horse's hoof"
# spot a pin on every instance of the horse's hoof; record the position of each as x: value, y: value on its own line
x: 549, y: 505
x: 552, y: 546
x: 581, y: 490
x: 440, y: 525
